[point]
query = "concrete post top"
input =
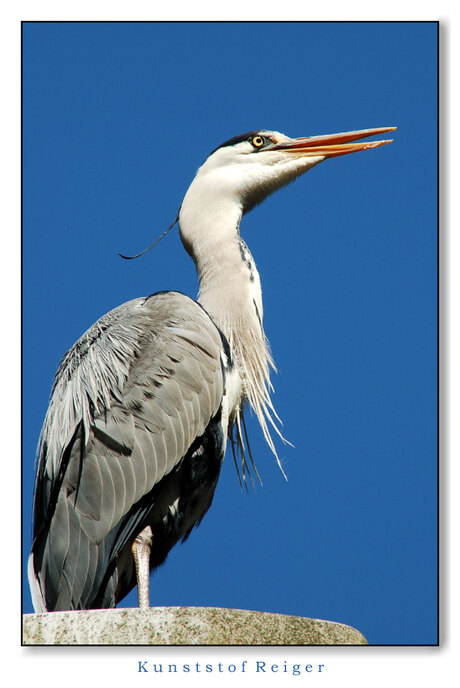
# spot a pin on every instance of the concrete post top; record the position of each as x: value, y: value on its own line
x: 183, y: 626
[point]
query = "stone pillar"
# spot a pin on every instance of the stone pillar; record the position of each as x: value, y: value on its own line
x: 182, y: 626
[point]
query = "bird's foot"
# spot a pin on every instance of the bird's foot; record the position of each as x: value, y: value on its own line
x: 141, y: 548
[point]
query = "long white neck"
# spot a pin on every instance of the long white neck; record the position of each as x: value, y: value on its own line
x: 230, y: 291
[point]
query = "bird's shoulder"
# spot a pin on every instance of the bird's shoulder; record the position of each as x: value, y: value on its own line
x: 157, y: 350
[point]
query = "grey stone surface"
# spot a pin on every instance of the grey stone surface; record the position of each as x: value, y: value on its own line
x: 182, y: 626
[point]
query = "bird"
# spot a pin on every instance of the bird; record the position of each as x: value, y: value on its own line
x: 144, y: 403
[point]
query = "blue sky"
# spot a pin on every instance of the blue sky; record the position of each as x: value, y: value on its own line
x: 117, y: 117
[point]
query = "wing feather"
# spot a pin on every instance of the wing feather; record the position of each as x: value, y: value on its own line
x: 128, y: 401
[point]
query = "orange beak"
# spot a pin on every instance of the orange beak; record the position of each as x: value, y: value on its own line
x: 330, y: 146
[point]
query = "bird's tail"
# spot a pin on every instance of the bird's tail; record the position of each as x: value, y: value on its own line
x: 35, y: 589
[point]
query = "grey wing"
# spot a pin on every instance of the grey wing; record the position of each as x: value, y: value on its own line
x: 129, y: 400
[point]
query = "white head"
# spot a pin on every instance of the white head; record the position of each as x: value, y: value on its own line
x: 252, y: 166
x: 243, y: 171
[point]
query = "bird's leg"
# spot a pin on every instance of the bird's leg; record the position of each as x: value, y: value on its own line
x: 140, y: 548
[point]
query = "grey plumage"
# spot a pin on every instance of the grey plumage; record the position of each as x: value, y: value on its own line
x: 143, y: 404
x: 123, y: 414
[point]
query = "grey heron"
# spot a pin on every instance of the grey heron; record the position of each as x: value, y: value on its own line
x: 143, y: 404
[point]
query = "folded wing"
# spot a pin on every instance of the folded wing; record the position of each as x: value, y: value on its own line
x: 130, y: 399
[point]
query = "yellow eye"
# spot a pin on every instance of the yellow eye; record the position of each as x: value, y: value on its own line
x: 258, y: 141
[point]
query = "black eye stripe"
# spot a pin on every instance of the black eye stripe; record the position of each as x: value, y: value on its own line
x: 248, y: 136
x: 237, y: 139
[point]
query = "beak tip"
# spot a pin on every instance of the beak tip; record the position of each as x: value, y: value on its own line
x: 330, y: 146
